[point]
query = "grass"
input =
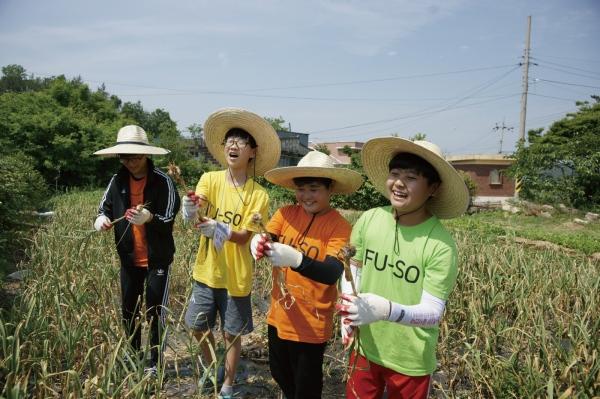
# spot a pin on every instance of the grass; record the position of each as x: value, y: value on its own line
x: 522, y: 322
x: 560, y: 229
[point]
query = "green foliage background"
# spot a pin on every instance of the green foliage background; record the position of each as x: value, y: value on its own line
x: 562, y: 165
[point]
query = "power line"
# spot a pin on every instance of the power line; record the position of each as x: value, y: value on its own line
x: 567, y: 83
x: 424, y: 75
x: 418, y: 115
x: 569, y: 72
x: 553, y: 97
x: 566, y: 66
x: 424, y: 111
x: 571, y: 58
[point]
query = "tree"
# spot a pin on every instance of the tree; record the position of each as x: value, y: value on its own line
x: 195, y: 130
x: 322, y: 148
x: 278, y: 124
x: 59, y: 123
x: 563, y: 164
x: 418, y: 137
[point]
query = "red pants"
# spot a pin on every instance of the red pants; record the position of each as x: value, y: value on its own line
x: 368, y: 381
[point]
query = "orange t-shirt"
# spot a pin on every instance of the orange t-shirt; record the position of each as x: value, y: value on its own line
x: 306, y: 313
x: 140, y: 247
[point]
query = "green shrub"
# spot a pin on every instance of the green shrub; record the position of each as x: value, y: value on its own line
x: 23, y: 191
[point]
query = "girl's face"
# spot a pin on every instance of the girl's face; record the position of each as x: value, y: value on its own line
x: 314, y: 197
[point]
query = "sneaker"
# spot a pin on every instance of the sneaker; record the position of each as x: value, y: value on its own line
x: 222, y: 396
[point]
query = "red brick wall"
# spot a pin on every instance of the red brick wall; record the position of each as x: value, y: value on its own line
x: 481, y: 175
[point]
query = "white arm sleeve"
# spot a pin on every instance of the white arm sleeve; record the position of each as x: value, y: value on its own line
x: 356, y: 272
x: 428, y: 313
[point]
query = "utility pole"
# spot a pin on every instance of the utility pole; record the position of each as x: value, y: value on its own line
x: 525, y: 64
x: 523, y: 118
x: 502, y: 129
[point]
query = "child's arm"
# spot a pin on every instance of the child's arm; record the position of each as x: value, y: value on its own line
x: 369, y: 308
x: 281, y: 255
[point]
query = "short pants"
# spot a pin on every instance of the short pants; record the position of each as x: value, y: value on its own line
x: 206, y: 302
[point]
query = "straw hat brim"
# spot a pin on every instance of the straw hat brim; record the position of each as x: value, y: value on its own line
x: 345, y: 181
x: 221, y: 121
x: 451, y: 198
x: 131, y: 149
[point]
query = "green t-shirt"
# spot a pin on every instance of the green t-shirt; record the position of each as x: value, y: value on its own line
x: 424, y: 259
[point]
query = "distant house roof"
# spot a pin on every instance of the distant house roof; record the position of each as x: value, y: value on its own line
x: 478, y: 159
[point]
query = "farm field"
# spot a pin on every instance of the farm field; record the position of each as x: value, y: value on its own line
x: 523, y: 320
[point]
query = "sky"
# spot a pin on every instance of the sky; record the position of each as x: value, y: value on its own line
x: 337, y: 70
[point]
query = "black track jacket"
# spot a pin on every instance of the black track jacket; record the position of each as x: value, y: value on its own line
x: 162, y: 199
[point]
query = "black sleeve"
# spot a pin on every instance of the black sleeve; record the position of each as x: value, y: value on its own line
x: 325, y: 272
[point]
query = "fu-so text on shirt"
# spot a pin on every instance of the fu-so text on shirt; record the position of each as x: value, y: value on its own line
x: 226, y: 217
x: 398, y: 267
x: 309, y: 251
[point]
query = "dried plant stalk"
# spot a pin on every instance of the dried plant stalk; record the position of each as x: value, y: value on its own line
x: 175, y: 172
x: 344, y: 255
x: 138, y: 207
x: 279, y: 275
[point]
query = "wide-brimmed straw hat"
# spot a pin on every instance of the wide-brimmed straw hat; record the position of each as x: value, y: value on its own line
x: 451, y: 199
x: 221, y: 121
x: 132, y: 139
x: 317, y: 164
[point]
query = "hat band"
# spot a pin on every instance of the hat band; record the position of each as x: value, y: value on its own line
x: 131, y: 142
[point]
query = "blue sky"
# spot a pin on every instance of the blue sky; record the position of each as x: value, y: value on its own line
x: 338, y: 70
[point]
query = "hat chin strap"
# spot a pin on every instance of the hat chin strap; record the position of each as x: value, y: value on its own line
x: 398, y: 215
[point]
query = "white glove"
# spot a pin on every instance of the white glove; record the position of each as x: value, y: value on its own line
x: 189, y: 208
x: 102, y: 223
x: 364, y: 308
x: 208, y: 226
x: 257, y: 246
x: 283, y: 255
x: 138, y: 217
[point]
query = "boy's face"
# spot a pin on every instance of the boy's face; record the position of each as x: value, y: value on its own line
x: 408, y: 190
x: 135, y: 163
x: 238, y: 152
x: 314, y: 197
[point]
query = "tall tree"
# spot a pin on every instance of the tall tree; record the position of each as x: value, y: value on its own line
x: 563, y: 164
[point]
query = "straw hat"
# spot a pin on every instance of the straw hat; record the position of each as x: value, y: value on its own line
x: 317, y: 164
x: 221, y: 121
x: 451, y: 199
x: 132, y: 139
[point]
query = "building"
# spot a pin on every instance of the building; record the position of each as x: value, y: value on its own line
x: 293, y: 147
x: 488, y: 172
x: 336, y: 149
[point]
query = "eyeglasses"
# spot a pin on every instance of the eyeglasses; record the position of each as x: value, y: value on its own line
x: 130, y: 157
x: 241, y: 143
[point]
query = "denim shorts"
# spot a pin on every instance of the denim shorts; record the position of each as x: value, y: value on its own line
x: 206, y: 302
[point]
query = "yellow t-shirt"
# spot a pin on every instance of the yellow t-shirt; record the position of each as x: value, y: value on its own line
x: 232, y: 266
x: 305, y: 314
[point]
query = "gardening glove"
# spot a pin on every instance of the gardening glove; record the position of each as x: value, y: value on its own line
x: 138, y: 217
x: 190, y: 206
x: 364, y: 308
x: 258, y: 245
x: 102, y: 223
x: 207, y: 227
x: 282, y: 255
